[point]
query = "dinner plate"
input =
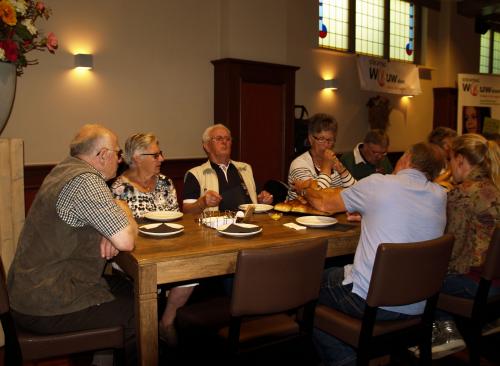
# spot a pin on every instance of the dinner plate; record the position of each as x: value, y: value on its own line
x: 163, y: 215
x: 316, y: 221
x: 222, y: 228
x: 259, y: 207
x: 179, y: 228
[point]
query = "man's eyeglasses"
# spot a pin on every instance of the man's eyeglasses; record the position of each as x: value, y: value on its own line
x: 118, y: 152
x: 323, y: 140
x: 154, y: 155
x: 221, y: 138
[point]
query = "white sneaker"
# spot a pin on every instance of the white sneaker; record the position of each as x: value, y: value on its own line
x: 491, y: 327
x: 448, y: 340
x: 435, y: 331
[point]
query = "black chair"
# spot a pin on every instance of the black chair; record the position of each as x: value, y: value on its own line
x: 270, y: 286
x: 402, y: 274
x: 278, y: 189
x: 23, y: 345
x: 474, y: 313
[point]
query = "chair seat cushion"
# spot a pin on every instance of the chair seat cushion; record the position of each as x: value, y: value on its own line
x: 265, y: 328
x: 347, y: 328
x: 455, y: 305
x: 38, y: 346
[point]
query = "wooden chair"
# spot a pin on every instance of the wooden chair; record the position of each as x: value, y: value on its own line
x: 23, y: 345
x: 269, y: 286
x: 474, y: 313
x: 402, y: 274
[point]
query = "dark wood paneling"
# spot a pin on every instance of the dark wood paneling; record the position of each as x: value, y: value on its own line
x: 174, y: 169
x: 261, y: 132
x: 445, y: 107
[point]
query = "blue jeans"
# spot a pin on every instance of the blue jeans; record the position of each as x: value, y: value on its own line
x: 340, y: 297
x: 461, y: 286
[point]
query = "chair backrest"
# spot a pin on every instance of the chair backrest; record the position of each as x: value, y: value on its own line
x: 12, y: 350
x: 4, y: 296
x: 273, y: 280
x: 278, y: 189
x: 491, y: 270
x: 406, y: 273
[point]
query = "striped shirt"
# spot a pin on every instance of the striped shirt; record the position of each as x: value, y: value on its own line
x: 303, y: 168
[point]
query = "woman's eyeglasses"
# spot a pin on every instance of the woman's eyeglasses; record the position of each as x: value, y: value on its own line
x: 323, y: 140
x: 154, y: 155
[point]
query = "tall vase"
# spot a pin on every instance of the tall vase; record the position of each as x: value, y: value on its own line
x: 8, y: 79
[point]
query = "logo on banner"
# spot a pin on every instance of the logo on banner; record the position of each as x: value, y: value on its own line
x: 388, y: 76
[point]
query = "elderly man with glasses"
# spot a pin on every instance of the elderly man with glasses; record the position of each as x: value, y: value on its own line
x: 220, y: 183
x: 73, y: 227
x: 369, y: 156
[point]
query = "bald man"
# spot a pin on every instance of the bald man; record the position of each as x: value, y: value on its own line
x: 74, y: 225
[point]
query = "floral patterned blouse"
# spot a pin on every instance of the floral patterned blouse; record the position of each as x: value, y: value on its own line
x: 163, y: 198
x: 473, y: 211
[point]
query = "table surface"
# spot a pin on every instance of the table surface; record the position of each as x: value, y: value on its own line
x: 200, y: 252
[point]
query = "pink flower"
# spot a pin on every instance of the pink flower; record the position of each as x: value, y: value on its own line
x: 51, y: 42
x: 40, y: 6
x: 11, y: 50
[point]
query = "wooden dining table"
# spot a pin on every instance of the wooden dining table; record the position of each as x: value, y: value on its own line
x: 200, y: 252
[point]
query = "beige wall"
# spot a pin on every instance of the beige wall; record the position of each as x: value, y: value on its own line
x: 153, y: 71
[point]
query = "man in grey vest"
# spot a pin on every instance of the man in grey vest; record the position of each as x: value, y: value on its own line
x: 73, y: 227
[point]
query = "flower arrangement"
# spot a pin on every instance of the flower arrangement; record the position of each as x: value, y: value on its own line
x: 18, y: 34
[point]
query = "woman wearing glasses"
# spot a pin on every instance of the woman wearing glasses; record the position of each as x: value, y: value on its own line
x: 320, y: 162
x: 145, y: 190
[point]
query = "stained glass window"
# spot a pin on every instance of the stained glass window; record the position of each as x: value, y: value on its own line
x: 367, y: 34
x: 401, y: 31
x: 496, y: 53
x: 370, y: 27
x: 484, y: 53
x: 333, y: 24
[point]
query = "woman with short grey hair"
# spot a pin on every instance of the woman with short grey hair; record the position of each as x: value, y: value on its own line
x: 145, y: 189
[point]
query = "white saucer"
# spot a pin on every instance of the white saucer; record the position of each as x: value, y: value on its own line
x: 259, y: 207
x: 316, y: 221
x: 222, y: 228
x: 179, y: 228
x: 163, y: 215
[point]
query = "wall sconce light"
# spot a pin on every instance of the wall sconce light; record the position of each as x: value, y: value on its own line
x: 331, y: 84
x: 409, y: 96
x: 84, y: 61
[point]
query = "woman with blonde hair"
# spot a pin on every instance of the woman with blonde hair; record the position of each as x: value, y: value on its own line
x: 473, y: 211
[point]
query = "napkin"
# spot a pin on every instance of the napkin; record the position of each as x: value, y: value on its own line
x: 160, y: 229
x: 233, y: 228
x: 294, y: 226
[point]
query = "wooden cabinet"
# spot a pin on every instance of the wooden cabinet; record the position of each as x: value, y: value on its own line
x: 445, y: 107
x: 256, y: 101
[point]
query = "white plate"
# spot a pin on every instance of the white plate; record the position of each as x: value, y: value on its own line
x: 163, y: 215
x: 220, y: 230
x: 179, y: 228
x: 259, y: 207
x: 316, y: 221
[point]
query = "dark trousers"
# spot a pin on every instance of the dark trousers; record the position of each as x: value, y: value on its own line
x: 117, y: 312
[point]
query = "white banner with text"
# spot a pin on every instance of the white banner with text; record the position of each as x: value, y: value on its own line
x: 388, y: 76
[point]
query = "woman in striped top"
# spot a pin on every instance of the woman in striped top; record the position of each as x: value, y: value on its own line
x: 320, y: 162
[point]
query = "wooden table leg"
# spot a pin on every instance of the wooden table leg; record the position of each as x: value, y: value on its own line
x: 147, y: 315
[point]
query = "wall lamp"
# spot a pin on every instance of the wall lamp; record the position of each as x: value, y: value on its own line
x: 84, y: 61
x: 331, y: 84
